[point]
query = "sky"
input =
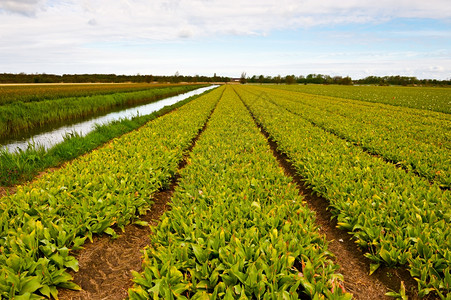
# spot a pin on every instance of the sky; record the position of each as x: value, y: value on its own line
x: 356, y: 38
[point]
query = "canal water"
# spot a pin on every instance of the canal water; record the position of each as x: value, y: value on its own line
x: 56, y: 136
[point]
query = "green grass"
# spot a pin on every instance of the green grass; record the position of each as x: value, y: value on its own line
x: 19, y: 117
x: 36, y: 93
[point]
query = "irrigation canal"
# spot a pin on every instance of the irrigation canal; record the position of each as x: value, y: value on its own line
x: 49, y: 138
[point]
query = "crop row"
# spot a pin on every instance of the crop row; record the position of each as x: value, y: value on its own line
x: 425, y: 98
x: 21, y: 166
x: 18, y: 116
x: 42, y: 223
x: 396, y: 217
x: 32, y: 93
x: 411, y: 121
x: 421, y: 143
x: 238, y: 227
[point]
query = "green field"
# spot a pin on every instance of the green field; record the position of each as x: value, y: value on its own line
x: 397, y: 216
x: 38, y: 92
x: 17, y: 116
x: 238, y: 227
x: 424, y: 98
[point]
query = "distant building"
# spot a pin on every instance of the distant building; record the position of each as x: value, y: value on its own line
x: 235, y: 80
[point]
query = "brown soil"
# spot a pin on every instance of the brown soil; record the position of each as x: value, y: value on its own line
x: 9, y: 190
x: 106, y: 264
x: 367, y: 150
x: 354, y: 266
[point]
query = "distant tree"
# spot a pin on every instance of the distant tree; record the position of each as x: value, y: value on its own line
x: 176, y: 78
x: 311, y: 78
x: 300, y: 79
x: 346, y: 81
x: 383, y: 82
x: 290, y: 79
x: 243, y: 79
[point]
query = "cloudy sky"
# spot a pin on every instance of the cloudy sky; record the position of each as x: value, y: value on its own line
x: 335, y: 37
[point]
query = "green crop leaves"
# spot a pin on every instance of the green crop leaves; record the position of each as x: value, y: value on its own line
x: 415, y: 140
x: 237, y: 228
x: 44, y: 222
x: 396, y: 216
x: 424, y: 98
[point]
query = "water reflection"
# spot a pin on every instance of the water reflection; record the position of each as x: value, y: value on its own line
x: 55, y: 136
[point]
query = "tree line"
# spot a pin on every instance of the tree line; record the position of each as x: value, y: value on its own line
x: 176, y: 78
x: 326, y: 79
x: 105, y: 78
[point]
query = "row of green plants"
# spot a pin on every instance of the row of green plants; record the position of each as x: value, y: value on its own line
x: 426, y: 98
x: 397, y: 218
x: 418, y: 143
x: 18, y: 117
x: 44, y: 222
x: 412, y: 121
x: 40, y: 92
x: 23, y: 165
x: 237, y: 227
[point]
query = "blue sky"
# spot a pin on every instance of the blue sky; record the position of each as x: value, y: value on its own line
x: 161, y: 37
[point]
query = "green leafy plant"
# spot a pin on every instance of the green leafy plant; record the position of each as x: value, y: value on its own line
x: 45, y: 221
x: 237, y: 228
x: 397, y: 217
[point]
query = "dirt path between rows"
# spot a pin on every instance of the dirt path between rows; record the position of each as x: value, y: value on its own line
x: 367, y: 150
x: 105, y: 265
x: 353, y: 265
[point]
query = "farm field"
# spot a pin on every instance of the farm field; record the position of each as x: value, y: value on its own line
x: 397, y: 217
x: 38, y: 92
x: 416, y: 140
x: 49, y: 109
x: 43, y: 222
x: 20, y: 166
x: 238, y: 226
x: 425, y: 98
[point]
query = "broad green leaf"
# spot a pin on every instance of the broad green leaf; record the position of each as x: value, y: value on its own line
x: 31, y: 285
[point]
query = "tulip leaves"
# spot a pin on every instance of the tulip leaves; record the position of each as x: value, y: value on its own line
x: 399, y: 218
x: 237, y: 227
x: 44, y: 222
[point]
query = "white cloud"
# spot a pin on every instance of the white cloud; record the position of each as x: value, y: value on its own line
x: 167, y: 19
x: 24, y: 7
x: 77, y: 34
x: 92, y: 22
